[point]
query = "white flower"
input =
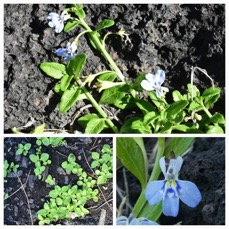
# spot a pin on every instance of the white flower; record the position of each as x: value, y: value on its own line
x: 154, y: 82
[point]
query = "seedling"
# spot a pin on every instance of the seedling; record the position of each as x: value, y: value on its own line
x: 8, y: 168
x: 40, y: 162
x: 53, y: 141
x: 103, y: 164
x: 23, y: 149
x: 50, y: 180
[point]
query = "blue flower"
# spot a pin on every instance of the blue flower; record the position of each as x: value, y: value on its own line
x: 68, y: 53
x: 131, y: 220
x: 171, y: 189
x: 154, y: 82
x: 57, y: 20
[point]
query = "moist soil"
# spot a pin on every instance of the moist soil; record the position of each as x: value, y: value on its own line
x: 204, y: 165
x: 171, y: 37
x: 16, y: 211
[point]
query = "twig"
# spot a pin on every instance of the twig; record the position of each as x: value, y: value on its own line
x: 102, y: 217
x: 76, y: 115
x: 31, y: 218
x: 93, y: 146
x: 97, y: 207
x: 19, y: 187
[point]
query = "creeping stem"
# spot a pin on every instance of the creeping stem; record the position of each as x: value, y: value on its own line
x: 93, y: 36
x: 97, y: 107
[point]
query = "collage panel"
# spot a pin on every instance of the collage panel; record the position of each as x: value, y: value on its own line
x: 114, y: 68
x: 170, y: 181
x: 58, y: 181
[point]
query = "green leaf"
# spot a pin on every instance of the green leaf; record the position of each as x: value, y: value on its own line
x: 217, y: 118
x: 178, y: 145
x: 53, y: 194
x: 19, y: 151
x: 210, y: 95
x: 194, y: 106
x: 39, y: 129
x: 27, y: 146
x: 44, y: 157
x: 214, y: 130
x: 53, y: 69
x: 127, y: 102
x: 34, y: 158
x: 114, y: 94
x: 70, y: 25
x: 109, y: 76
x: 86, y: 118
x: 95, y: 155
x: 177, y: 96
x: 157, y: 101
x: 135, y: 125
x: 104, y: 24
x: 69, y: 98
x: 45, y: 141
x: 145, y: 106
x: 94, y: 164
x: 75, y: 66
x: 101, y: 180
x: 65, y: 82
x: 105, y: 168
x: 95, y: 126
x: 130, y: 154
x: 80, y: 13
x: 193, y: 90
x: 176, y: 107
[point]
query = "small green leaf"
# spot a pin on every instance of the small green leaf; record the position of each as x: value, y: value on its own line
x: 177, y: 96
x: 109, y: 76
x: 19, y: 151
x: 69, y: 98
x: 135, y: 125
x: 70, y: 25
x: 86, y: 118
x: 53, y: 69
x: 145, y: 106
x: 39, y: 129
x: 217, y: 118
x: 193, y: 90
x: 157, y: 101
x: 75, y: 66
x: 105, y: 168
x: 65, y: 82
x: 214, y: 130
x: 27, y: 146
x: 176, y: 107
x: 114, y: 94
x: 210, y: 95
x: 44, y: 157
x: 101, y: 180
x: 95, y: 126
x: 104, y: 24
x: 94, y: 164
x: 53, y: 194
x: 34, y: 158
x: 95, y: 155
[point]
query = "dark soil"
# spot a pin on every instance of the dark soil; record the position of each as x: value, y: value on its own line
x: 16, y: 210
x: 167, y: 36
x: 204, y: 166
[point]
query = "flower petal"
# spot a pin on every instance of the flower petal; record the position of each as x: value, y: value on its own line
x: 162, y: 165
x: 177, y: 167
x: 59, y: 27
x: 151, y: 78
x: 160, y: 77
x: 188, y: 193
x: 146, y: 85
x: 170, y: 203
x: 154, y: 191
x: 165, y: 89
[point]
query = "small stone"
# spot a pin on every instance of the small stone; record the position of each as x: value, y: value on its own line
x: 25, y: 162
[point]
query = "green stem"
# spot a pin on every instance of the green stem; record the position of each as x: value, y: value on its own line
x: 141, y: 202
x: 98, y: 108
x: 93, y: 36
x: 206, y: 111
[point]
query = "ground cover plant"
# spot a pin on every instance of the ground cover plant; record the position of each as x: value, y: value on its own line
x: 56, y: 184
x: 173, y: 181
x: 167, y: 82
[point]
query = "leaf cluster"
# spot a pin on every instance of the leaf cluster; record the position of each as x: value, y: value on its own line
x: 23, y: 149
